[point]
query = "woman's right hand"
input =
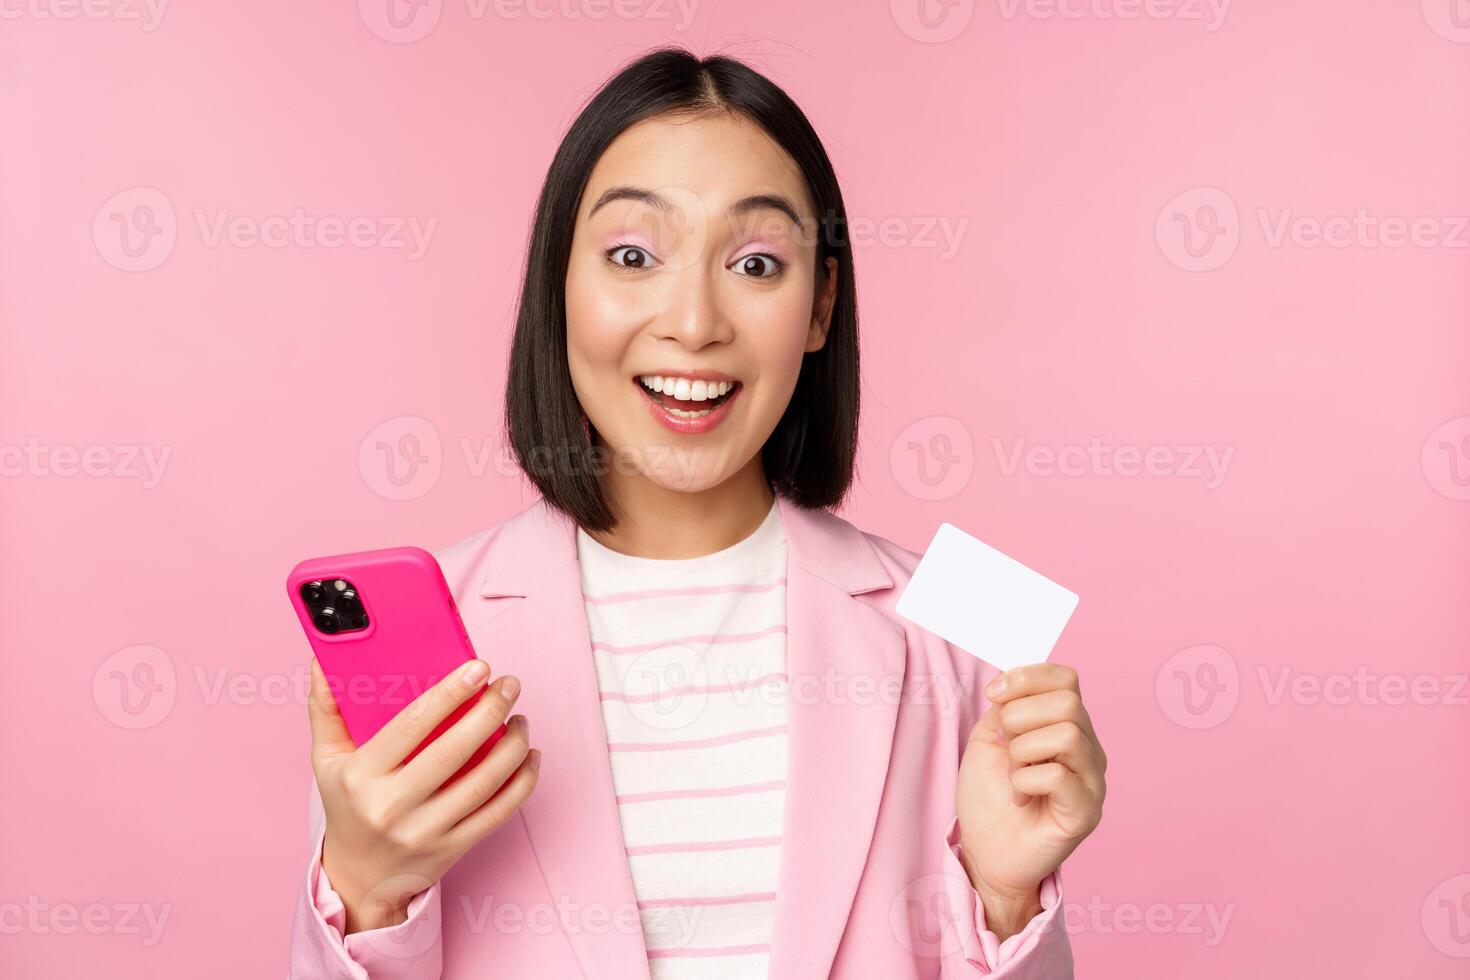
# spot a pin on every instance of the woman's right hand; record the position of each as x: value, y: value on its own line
x: 391, y: 830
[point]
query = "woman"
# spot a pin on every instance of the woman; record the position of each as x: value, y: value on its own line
x: 754, y: 767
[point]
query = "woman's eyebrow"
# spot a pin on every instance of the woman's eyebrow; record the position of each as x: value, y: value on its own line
x: 753, y: 202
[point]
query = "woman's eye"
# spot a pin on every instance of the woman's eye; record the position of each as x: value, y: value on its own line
x: 752, y: 265
x: 632, y: 257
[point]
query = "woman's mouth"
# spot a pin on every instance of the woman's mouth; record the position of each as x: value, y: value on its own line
x: 686, y: 405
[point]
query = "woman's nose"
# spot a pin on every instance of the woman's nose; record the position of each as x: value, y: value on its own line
x: 694, y: 315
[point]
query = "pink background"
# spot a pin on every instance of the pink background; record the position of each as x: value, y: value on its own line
x: 1332, y: 546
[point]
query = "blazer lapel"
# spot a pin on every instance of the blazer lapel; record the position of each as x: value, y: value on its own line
x: 846, y: 663
x: 572, y: 817
x: 845, y: 660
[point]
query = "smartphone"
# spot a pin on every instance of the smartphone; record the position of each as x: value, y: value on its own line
x: 385, y: 629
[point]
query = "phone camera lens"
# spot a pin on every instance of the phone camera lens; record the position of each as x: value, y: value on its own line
x: 326, y: 620
x: 313, y: 592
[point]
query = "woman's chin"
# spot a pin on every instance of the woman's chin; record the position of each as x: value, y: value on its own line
x: 684, y: 469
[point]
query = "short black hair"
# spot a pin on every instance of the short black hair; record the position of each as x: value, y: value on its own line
x: 810, y: 456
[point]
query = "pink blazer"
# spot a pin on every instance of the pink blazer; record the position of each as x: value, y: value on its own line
x: 870, y: 883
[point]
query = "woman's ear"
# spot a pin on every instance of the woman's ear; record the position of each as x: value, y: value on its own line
x: 816, y: 335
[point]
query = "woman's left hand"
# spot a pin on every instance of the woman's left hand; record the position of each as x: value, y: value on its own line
x: 1030, y: 788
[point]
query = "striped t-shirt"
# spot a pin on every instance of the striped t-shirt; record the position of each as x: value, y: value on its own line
x: 691, y: 662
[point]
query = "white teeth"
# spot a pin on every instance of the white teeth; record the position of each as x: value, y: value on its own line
x: 683, y: 389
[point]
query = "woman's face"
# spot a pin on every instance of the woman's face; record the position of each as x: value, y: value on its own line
x: 691, y: 297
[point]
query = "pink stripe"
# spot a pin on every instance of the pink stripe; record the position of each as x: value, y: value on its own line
x: 695, y: 743
x: 733, y: 844
x: 690, y: 689
x: 695, y: 794
x: 706, y: 638
x: 710, y: 951
x: 616, y: 597
x: 747, y: 899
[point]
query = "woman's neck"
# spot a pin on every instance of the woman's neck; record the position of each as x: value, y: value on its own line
x: 656, y: 522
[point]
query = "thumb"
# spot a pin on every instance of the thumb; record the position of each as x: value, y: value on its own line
x: 329, y: 735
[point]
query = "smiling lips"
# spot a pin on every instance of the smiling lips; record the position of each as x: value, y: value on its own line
x: 689, y: 402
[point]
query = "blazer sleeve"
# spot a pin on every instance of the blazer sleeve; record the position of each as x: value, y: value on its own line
x: 411, y: 950
x: 1041, y: 950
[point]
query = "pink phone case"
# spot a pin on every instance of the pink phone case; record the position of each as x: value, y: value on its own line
x: 413, y: 638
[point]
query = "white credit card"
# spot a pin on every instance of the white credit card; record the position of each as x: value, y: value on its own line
x: 985, y: 602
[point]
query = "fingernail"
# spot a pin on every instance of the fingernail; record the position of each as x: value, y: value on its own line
x: 996, y: 687
x: 535, y: 760
x: 474, y: 672
x: 511, y: 688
